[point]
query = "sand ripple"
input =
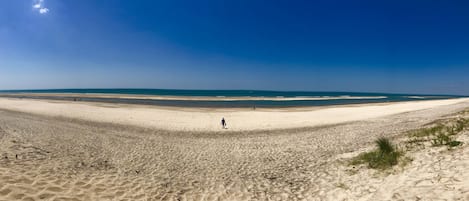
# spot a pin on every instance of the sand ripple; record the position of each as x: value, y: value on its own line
x: 54, y: 158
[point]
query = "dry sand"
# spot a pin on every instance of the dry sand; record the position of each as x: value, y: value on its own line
x: 55, y: 150
x: 209, y: 120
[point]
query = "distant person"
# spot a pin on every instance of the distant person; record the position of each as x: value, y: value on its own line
x: 223, y: 123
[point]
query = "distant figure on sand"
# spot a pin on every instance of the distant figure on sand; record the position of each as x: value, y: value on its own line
x: 223, y: 123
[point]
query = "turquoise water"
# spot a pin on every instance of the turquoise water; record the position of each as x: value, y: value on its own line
x: 368, y: 97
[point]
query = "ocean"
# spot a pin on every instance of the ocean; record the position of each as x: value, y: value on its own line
x: 241, y: 98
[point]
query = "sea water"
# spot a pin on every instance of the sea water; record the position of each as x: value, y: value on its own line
x: 273, y: 98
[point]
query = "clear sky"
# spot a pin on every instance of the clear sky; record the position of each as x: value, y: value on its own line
x: 366, y: 46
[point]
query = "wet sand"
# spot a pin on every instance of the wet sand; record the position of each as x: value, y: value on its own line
x: 194, y: 98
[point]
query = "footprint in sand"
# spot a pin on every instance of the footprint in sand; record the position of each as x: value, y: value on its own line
x: 5, y: 192
x: 54, y: 189
x: 28, y: 199
x: 45, y: 196
x: 17, y: 196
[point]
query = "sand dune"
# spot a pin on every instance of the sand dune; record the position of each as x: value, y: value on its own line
x: 53, y: 157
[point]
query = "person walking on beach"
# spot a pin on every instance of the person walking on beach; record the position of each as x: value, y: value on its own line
x: 223, y: 123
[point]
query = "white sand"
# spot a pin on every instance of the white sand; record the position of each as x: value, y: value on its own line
x: 435, y: 173
x: 209, y: 120
x: 69, y: 159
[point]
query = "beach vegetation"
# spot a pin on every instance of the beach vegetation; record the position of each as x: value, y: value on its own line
x: 384, y: 156
x: 342, y: 185
x: 441, y: 139
x: 454, y: 143
x: 384, y: 145
x: 441, y: 134
x: 427, y: 132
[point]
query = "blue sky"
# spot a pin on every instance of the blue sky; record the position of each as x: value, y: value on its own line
x: 368, y: 46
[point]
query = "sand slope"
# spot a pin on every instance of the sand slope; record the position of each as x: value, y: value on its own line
x: 69, y: 159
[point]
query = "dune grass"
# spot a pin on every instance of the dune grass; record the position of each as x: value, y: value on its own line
x: 387, y: 155
x: 440, y: 134
x: 383, y: 157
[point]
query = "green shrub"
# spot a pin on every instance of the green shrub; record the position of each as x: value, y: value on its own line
x: 427, y: 132
x: 385, y: 156
x: 454, y: 143
x: 441, y: 139
x: 461, y: 124
x: 441, y: 134
x: 384, y: 145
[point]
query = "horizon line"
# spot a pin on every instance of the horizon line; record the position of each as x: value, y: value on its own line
x: 258, y: 90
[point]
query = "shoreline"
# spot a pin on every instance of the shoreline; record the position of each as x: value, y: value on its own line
x: 217, y: 102
x: 192, y: 98
x: 203, y: 119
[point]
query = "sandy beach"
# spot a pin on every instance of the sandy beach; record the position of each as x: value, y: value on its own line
x: 234, y: 100
x: 61, y: 150
x: 183, y: 119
